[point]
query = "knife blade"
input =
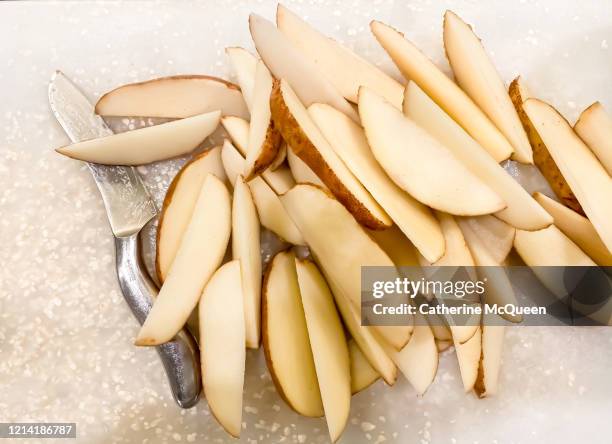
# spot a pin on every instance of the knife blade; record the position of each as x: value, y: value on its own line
x: 128, y: 203
x: 129, y: 207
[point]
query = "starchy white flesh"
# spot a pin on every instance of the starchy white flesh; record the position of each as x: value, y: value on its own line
x: 494, y: 234
x: 363, y: 374
x: 349, y: 142
x: 201, y: 252
x: 578, y: 228
x: 146, y: 145
x: 280, y: 179
x: 521, y: 211
x: 300, y: 171
x: 340, y: 246
x: 365, y: 337
x: 498, y: 289
x: 594, y: 126
x: 222, y: 352
x: 476, y: 75
x: 418, y: 360
x: 587, y: 178
x: 243, y: 64
x: 264, y: 139
x: 468, y: 357
x: 457, y: 254
x: 285, y: 62
x: 490, y: 360
x: 415, y: 161
x: 179, y: 203
x: 246, y: 248
x: 440, y: 332
x: 233, y: 162
x: 416, y: 66
x: 285, y: 338
x: 174, y: 97
x: 270, y: 210
x: 342, y: 67
x: 307, y: 141
x: 328, y: 345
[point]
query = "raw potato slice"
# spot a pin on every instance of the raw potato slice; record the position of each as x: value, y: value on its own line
x: 201, y: 252
x: 498, y: 289
x: 285, y: 62
x: 246, y: 248
x: 340, y: 246
x: 594, y: 126
x: 477, y: 76
x: 281, y: 179
x: 416, y: 66
x: 490, y: 360
x: 272, y: 214
x: 233, y: 162
x: 146, y: 145
x: 443, y: 345
x: 366, y: 339
x: 244, y: 64
x: 418, y: 360
x: 285, y: 338
x: 578, y: 228
x: 468, y: 357
x: 416, y: 161
x: 363, y: 374
x: 306, y: 140
x: 328, y: 344
x: 522, y: 211
x: 397, y: 246
x: 541, y: 157
x: 302, y: 172
x: 588, y: 179
x: 346, y: 70
x: 264, y: 138
x: 174, y: 97
x: 495, y: 235
x: 222, y: 337
x: 179, y: 203
x: 349, y: 142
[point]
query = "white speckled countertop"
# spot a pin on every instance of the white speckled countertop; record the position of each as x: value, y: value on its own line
x: 66, y: 335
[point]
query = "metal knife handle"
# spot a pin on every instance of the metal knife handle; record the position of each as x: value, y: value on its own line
x: 179, y: 356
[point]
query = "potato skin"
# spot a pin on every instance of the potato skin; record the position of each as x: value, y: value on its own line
x: 305, y: 150
x: 541, y: 156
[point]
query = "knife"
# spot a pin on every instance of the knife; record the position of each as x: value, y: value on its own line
x: 128, y: 207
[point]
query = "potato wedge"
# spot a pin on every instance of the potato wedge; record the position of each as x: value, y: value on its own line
x: 222, y: 337
x: 306, y: 140
x: 328, y: 344
x: 285, y: 338
x: 363, y: 374
x: 264, y: 138
x: 174, y: 97
x: 490, y: 360
x: 495, y: 235
x: 468, y: 358
x: 342, y: 67
x: 244, y: 65
x: 477, y: 76
x: 541, y: 156
x: 302, y: 172
x: 146, y: 145
x: 246, y: 248
x: 179, y: 203
x: 201, y: 252
x: 587, y: 178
